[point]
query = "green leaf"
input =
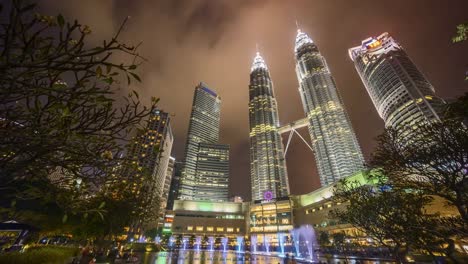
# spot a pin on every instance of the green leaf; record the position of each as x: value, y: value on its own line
x: 13, y: 203
x: 60, y: 20
x: 109, y: 80
x: 134, y: 75
x: 85, y: 215
x: 102, y: 205
x: 101, y: 215
x: 64, y: 218
x: 98, y: 71
x: 154, y: 100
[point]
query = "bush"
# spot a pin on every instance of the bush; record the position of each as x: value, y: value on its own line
x: 142, y: 247
x: 40, y: 255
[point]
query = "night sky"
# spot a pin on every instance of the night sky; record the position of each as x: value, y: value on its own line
x: 188, y: 41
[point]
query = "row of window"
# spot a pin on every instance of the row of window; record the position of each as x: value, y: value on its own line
x: 212, y: 229
x: 313, y: 210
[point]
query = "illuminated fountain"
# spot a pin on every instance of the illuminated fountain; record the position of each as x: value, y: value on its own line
x: 253, y: 244
x: 240, y: 241
x: 172, y: 240
x: 305, y: 242
x: 157, y: 240
x: 266, y: 243
x: 184, y: 243
x: 281, y: 243
x: 198, y: 243
x: 211, y: 242
x: 224, y: 242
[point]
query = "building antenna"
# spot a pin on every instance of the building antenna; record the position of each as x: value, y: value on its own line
x: 297, y: 26
x: 256, y: 47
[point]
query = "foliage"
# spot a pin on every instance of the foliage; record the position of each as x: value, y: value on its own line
x: 151, y: 233
x: 324, y: 238
x: 143, y: 247
x: 433, y: 158
x: 61, y: 115
x: 59, y: 107
x: 462, y: 33
x: 42, y: 255
x: 393, y: 217
x: 338, y: 239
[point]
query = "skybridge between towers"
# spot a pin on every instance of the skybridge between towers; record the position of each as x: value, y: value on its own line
x: 292, y: 128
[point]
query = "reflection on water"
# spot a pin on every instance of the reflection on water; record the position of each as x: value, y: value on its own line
x: 211, y: 257
x: 232, y: 257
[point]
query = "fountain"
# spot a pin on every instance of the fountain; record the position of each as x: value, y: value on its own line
x: 240, y: 240
x: 157, y: 240
x: 184, y: 243
x: 172, y: 240
x: 224, y: 241
x: 306, y: 235
x: 266, y: 243
x: 281, y: 243
x: 253, y: 244
x: 211, y: 242
x: 296, y: 237
x: 198, y: 243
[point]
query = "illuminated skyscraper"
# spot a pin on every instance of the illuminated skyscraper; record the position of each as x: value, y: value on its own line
x: 336, y: 148
x: 205, y: 176
x: 268, y: 173
x: 401, y: 94
x: 151, y: 152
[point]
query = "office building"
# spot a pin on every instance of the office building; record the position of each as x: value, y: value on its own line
x: 401, y: 94
x: 336, y: 149
x: 268, y: 175
x: 205, y: 172
x: 150, y: 154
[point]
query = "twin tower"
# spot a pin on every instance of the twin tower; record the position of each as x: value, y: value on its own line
x: 334, y: 142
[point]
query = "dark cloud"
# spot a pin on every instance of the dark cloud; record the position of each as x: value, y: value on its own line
x: 188, y: 41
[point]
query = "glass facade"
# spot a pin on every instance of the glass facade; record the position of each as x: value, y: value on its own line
x: 335, y: 145
x: 213, y: 172
x: 401, y: 94
x: 267, y: 165
x: 272, y: 217
x: 205, y: 170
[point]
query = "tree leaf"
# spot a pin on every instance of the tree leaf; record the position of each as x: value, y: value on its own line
x: 154, y: 99
x: 108, y: 68
x: 64, y: 218
x: 60, y: 20
x: 98, y: 71
x: 134, y: 75
x: 102, y: 205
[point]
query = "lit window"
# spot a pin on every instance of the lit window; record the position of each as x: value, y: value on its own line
x: 230, y: 229
x: 220, y: 229
x: 189, y: 228
x: 209, y: 229
x: 199, y: 228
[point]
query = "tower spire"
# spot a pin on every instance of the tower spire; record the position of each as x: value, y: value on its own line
x: 258, y: 62
x: 297, y: 27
